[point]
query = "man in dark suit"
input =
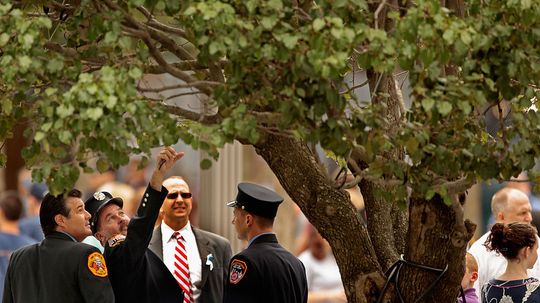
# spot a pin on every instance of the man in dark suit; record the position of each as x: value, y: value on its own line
x: 264, y: 272
x: 207, y: 254
x: 136, y: 273
x: 59, y: 269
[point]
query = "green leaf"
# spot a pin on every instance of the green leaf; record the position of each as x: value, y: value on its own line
x: 102, y: 165
x: 7, y: 106
x: 4, y: 39
x: 95, y: 113
x: 427, y: 104
x: 39, y: 136
x: 318, y: 24
x: 24, y: 62
x: 65, y: 136
x: 444, y: 107
x: 135, y: 73
x: 206, y: 164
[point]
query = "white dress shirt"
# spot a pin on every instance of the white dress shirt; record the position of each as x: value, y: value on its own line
x: 194, y: 259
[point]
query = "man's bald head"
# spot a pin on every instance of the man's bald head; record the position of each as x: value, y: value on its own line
x: 511, y: 205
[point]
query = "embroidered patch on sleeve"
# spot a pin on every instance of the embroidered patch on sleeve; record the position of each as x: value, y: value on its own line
x: 114, y: 241
x: 96, y: 265
x: 238, y: 271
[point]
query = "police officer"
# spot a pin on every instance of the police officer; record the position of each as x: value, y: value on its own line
x: 264, y: 271
x: 59, y: 269
x: 136, y: 273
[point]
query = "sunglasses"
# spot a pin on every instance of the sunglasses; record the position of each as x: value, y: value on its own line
x: 175, y: 195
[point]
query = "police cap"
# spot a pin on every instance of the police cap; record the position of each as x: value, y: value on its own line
x: 95, y: 204
x: 257, y: 200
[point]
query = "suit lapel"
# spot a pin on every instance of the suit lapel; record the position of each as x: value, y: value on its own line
x: 156, y: 243
x: 203, y: 246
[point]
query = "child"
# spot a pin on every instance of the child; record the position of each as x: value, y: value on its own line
x: 470, y: 276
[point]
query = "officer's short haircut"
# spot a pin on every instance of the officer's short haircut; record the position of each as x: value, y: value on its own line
x: 263, y: 221
x: 52, y: 206
x: 12, y: 205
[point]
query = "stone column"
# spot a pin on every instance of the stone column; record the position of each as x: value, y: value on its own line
x: 217, y: 187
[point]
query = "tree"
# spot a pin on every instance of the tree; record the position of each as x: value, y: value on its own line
x: 269, y: 73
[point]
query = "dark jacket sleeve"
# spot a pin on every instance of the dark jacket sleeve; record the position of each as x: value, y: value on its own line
x: 140, y: 228
x: 93, y: 277
x: 241, y: 281
x: 8, y: 296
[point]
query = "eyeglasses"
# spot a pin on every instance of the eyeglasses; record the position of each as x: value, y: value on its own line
x: 175, y: 195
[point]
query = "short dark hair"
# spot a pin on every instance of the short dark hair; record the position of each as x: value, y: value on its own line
x: 12, y: 205
x: 52, y: 206
x: 507, y: 240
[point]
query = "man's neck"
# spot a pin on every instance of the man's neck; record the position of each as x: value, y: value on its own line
x: 10, y: 227
x: 258, y: 231
x: 176, y: 225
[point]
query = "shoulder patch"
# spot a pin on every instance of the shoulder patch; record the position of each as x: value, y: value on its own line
x: 238, y: 271
x: 116, y: 240
x: 96, y: 265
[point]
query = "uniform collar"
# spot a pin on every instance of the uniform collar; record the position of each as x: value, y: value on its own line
x: 262, y: 238
x: 62, y: 235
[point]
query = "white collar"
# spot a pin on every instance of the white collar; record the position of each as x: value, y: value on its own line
x: 167, y: 231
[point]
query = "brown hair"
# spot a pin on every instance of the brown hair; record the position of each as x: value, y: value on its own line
x: 12, y: 205
x: 507, y: 240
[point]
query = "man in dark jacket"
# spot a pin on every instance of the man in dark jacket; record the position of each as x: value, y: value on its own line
x: 264, y: 272
x: 59, y: 269
x: 135, y: 272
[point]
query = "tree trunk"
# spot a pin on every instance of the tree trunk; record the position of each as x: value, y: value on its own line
x: 437, y: 238
x: 330, y: 211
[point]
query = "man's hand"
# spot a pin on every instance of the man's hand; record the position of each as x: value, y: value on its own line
x: 165, y: 160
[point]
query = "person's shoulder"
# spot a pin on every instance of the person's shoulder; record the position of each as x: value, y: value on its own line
x: 80, y: 248
x: 210, y: 236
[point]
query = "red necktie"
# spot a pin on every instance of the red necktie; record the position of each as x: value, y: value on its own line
x: 181, y: 267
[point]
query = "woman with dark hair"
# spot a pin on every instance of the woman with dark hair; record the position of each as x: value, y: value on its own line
x: 517, y: 243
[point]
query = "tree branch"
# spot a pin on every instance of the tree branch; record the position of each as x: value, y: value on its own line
x: 196, y: 84
x: 153, y: 22
x: 187, y: 114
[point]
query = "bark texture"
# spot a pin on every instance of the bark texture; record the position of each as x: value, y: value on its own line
x: 437, y: 238
x: 330, y: 211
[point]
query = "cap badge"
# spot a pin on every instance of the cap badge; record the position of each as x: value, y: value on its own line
x: 99, y: 196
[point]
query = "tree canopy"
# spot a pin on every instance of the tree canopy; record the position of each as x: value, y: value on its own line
x: 270, y: 73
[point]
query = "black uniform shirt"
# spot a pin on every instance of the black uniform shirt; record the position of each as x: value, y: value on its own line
x: 58, y: 269
x: 265, y: 272
x: 136, y: 273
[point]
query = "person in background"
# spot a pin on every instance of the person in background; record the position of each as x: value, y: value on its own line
x: 467, y: 283
x: 518, y: 244
x: 322, y: 272
x: 11, y: 208
x: 29, y: 225
x: 59, y: 269
x: 264, y: 271
x: 136, y: 273
x: 203, y: 271
x: 508, y: 205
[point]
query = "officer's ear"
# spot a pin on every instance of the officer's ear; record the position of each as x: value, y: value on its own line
x: 249, y: 219
x: 101, y: 238
x: 60, y: 220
